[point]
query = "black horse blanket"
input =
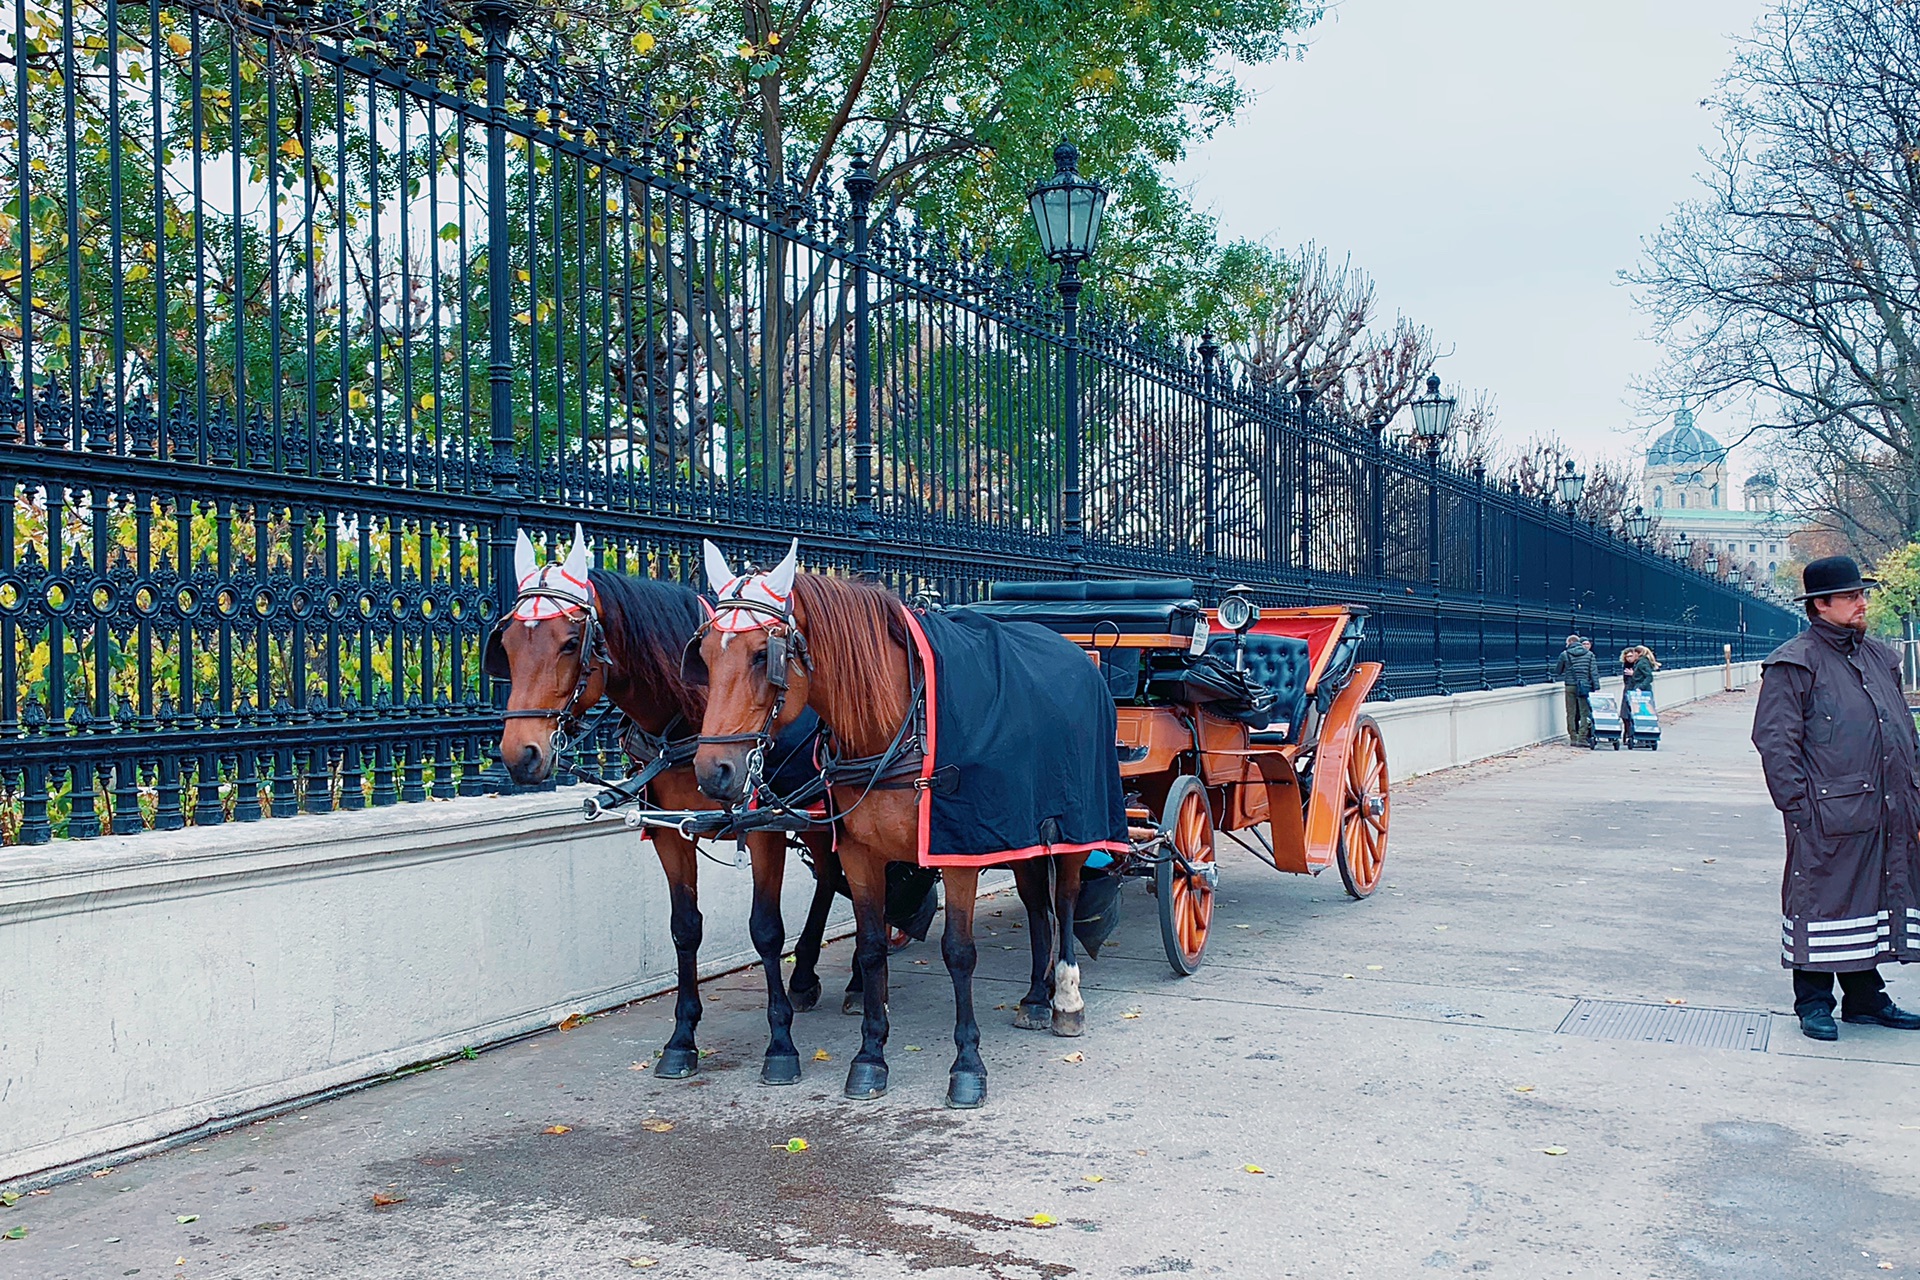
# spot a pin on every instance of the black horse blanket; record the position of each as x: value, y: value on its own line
x: 1020, y: 755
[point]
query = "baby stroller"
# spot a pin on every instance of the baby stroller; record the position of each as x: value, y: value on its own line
x: 1607, y: 728
x: 1643, y: 721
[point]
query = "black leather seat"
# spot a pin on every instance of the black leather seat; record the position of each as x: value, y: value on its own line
x: 1282, y: 664
x: 1132, y: 606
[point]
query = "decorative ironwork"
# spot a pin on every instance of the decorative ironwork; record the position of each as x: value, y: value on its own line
x: 305, y: 310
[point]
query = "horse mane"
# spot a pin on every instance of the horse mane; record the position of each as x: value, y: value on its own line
x: 649, y: 623
x: 851, y: 628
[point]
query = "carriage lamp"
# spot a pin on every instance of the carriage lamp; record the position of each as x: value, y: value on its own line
x: 1237, y: 611
x: 1432, y: 416
x: 1571, y: 484
x: 1639, y: 524
x: 1066, y: 214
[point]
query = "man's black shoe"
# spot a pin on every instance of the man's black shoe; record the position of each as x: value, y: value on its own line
x: 1891, y: 1016
x: 1817, y: 1024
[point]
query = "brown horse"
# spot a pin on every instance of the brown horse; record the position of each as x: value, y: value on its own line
x: 780, y: 642
x: 577, y: 634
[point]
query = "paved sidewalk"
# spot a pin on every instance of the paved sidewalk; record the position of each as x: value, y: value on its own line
x: 1391, y: 1065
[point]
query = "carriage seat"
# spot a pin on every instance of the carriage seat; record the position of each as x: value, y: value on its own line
x: 1133, y: 606
x: 1283, y: 664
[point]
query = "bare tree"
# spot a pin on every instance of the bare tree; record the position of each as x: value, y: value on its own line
x: 1794, y: 284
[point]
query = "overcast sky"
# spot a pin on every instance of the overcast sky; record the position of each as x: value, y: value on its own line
x: 1493, y: 164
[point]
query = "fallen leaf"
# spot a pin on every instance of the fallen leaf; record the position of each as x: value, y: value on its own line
x: 1243, y: 926
x: 1885, y: 1266
x: 657, y: 1126
x: 642, y: 1262
x: 1709, y: 859
x: 638, y: 1066
x: 1675, y: 1000
x: 558, y: 1128
x: 920, y: 962
x: 10, y: 1198
x: 1253, y: 1168
x: 571, y: 1021
x: 1553, y: 1151
x: 18, y: 1233
x: 821, y: 1055
x: 1041, y: 1220
x: 1439, y: 928
x: 185, y: 1218
x: 795, y: 1145
x: 1075, y: 1056
x: 101, y: 1173
x: 913, y: 1048
x: 1131, y: 1014
x: 44, y: 1191
x: 1346, y: 975
x: 1091, y: 1177
x: 1376, y: 968
x: 1523, y: 1088
x: 179, y: 1262
x: 1139, y: 1151
x: 381, y: 1200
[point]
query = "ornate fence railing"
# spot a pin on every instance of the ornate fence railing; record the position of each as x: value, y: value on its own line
x: 305, y: 311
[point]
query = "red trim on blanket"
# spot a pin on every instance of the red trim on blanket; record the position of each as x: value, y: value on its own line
x: 926, y: 856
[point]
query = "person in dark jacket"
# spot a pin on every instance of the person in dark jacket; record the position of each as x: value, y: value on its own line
x: 1843, y: 765
x: 1579, y: 671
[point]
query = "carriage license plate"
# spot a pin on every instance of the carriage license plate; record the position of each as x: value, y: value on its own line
x: 1201, y: 634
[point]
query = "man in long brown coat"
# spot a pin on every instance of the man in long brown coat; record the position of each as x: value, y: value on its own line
x: 1843, y: 764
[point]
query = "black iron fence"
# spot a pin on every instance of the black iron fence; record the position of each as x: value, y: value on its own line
x: 305, y: 311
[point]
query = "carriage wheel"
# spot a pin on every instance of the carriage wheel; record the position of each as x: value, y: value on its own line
x: 1365, y: 810
x: 1185, y: 892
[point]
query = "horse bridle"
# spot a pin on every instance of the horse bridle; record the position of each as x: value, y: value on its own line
x: 593, y: 654
x: 785, y: 644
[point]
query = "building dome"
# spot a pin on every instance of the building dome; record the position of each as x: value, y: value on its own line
x: 1761, y: 480
x: 1685, y: 445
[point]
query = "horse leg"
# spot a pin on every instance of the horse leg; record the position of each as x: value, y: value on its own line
x: 1036, y: 1007
x: 681, y: 1058
x: 804, y: 986
x: 855, y: 998
x: 967, y: 1081
x: 1069, y: 1009
x: 768, y: 931
x: 866, y: 876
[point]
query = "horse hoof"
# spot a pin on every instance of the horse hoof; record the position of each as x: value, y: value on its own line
x: 866, y: 1081
x: 1069, y: 1024
x: 966, y: 1090
x: 804, y: 998
x: 780, y: 1069
x: 1033, y: 1017
x: 853, y: 1004
x: 677, y: 1064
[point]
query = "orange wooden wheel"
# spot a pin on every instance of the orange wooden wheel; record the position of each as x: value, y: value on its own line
x: 1185, y: 883
x: 1365, y: 810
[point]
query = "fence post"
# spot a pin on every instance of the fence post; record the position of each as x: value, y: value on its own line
x: 1433, y: 559
x: 1209, y: 352
x: 860, y: 186
x: 1480, y: 558
x: 1305, y: 505
x: 1070, y: 523
x: 496, y: 19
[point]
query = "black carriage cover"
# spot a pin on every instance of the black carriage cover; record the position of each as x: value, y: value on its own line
x: 1021, y: 758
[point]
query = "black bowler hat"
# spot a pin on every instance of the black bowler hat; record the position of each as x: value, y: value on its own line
x: 1831, y: 575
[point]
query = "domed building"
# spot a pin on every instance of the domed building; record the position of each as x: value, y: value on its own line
x: 1686, y: 487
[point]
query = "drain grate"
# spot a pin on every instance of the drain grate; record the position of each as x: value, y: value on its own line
x: 1668, y: 1024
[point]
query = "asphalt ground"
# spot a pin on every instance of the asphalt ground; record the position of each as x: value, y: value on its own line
x: 1346, y: 1088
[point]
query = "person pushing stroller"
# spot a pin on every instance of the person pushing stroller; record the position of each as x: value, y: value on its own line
x: 1637, y: 665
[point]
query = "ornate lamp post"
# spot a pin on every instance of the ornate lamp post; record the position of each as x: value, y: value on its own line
x: 1066, y: 214
x: 1570, y: 484
x: 1432, y: 419
x: 1683, y: 547
x: 1638, y: 525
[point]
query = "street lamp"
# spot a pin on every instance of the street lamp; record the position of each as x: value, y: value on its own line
x: 1713, y: 565
x: 1638, y: 525
x: 1066, y: 214
x: 1683, y: 545
x: 1571, y: 484
x: 1432, y: 418
x: 1733, y: 577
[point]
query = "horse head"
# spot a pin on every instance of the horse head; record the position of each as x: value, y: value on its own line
x: 551, y: 647
x: 753, y: 656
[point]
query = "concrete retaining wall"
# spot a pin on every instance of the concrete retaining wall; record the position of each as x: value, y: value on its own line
x: 1426, y: 734
x: 149, y: 984
x: 153, y: 983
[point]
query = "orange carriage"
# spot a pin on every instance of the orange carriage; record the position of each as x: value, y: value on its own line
x: 1232, y: 719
